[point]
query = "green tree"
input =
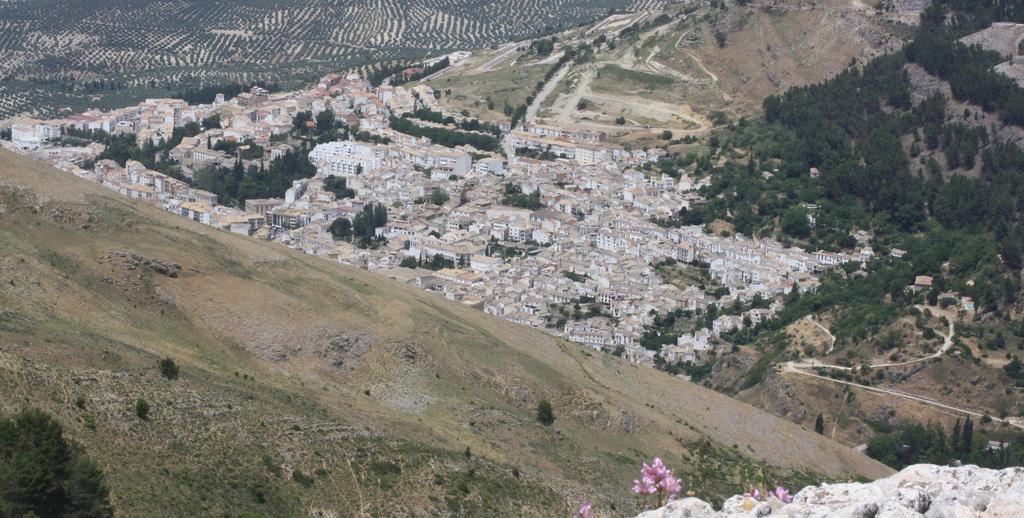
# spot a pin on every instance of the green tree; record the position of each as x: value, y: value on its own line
x: 299, y: 120
x: 819, y: 425
x: 794, y: 222
x: 339, y: 186
x: 168, y: 369
x: 324, y: 121
x: 438, y: 196
x: 967, y: 440
x: 341, y: 228
x: 545, y: 413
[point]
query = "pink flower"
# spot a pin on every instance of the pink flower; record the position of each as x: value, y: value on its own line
x: 644, y: 486
x: 585, y: 511
x: 753, y: 493
x: 656, y: 478
x: 782, y: 494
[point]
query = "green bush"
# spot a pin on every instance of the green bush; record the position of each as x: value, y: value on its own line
x: 168, y: 369
x: 142, y: 409
x: 545, y: 413
x: 302, y: 479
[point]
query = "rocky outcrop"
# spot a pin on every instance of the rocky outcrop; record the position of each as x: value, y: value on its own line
x: 923, y: 490
x: 131, y: 261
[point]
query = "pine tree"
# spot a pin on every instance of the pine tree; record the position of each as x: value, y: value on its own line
x: 968, y: 438
x: 954, y: 438
x: 819, y: 425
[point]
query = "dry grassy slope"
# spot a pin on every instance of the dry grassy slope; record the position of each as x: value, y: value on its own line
x: 793, y: 43
x: 278, y: 349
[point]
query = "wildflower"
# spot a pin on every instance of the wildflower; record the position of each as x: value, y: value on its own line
x: 585, y: 511
x: 644, y: 486
x: 656, y: 478
x: 753, y: 493
x: 782, y: 494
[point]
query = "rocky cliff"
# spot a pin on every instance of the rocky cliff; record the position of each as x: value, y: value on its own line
x: 921, y: 490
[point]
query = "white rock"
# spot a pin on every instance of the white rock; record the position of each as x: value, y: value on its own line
x: 917, y: 491
x: 685, y: 508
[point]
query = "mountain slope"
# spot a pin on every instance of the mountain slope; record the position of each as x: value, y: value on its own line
x: 306, y: 385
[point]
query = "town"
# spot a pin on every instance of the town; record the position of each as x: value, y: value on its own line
x: 558, y: 232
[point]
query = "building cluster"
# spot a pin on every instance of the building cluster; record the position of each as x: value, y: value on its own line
x: 560, y: 239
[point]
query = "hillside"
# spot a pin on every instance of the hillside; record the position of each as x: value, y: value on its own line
x: 684, y: 68
x: 58, y: 53
x: 306, y: 385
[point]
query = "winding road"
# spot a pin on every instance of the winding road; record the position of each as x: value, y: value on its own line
x: 947, y: 343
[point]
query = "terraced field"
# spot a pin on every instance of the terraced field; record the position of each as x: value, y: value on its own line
x: 87, y: 48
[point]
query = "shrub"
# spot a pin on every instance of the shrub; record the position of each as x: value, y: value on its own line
x: 168, y: 369
x: 302, y: 479
x: 271, y: 466
x: 142, y: 409
x: 545, y: 413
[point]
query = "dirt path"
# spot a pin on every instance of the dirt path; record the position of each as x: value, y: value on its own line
x: 606, y: 21
x: 792, y: 368
x: 701, y: 65
x: 831, y: 337
x: 947, y: 343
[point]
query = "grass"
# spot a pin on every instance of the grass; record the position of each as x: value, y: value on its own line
x: 470, y: 91
x: 683, y: 276
x: 612, y: 74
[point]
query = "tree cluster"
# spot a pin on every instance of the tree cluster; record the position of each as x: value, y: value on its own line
x: 444, y: 136
x: 43, y: 474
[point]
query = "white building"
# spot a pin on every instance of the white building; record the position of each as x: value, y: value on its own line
x: 29, y: 135
x: 346, y: 158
